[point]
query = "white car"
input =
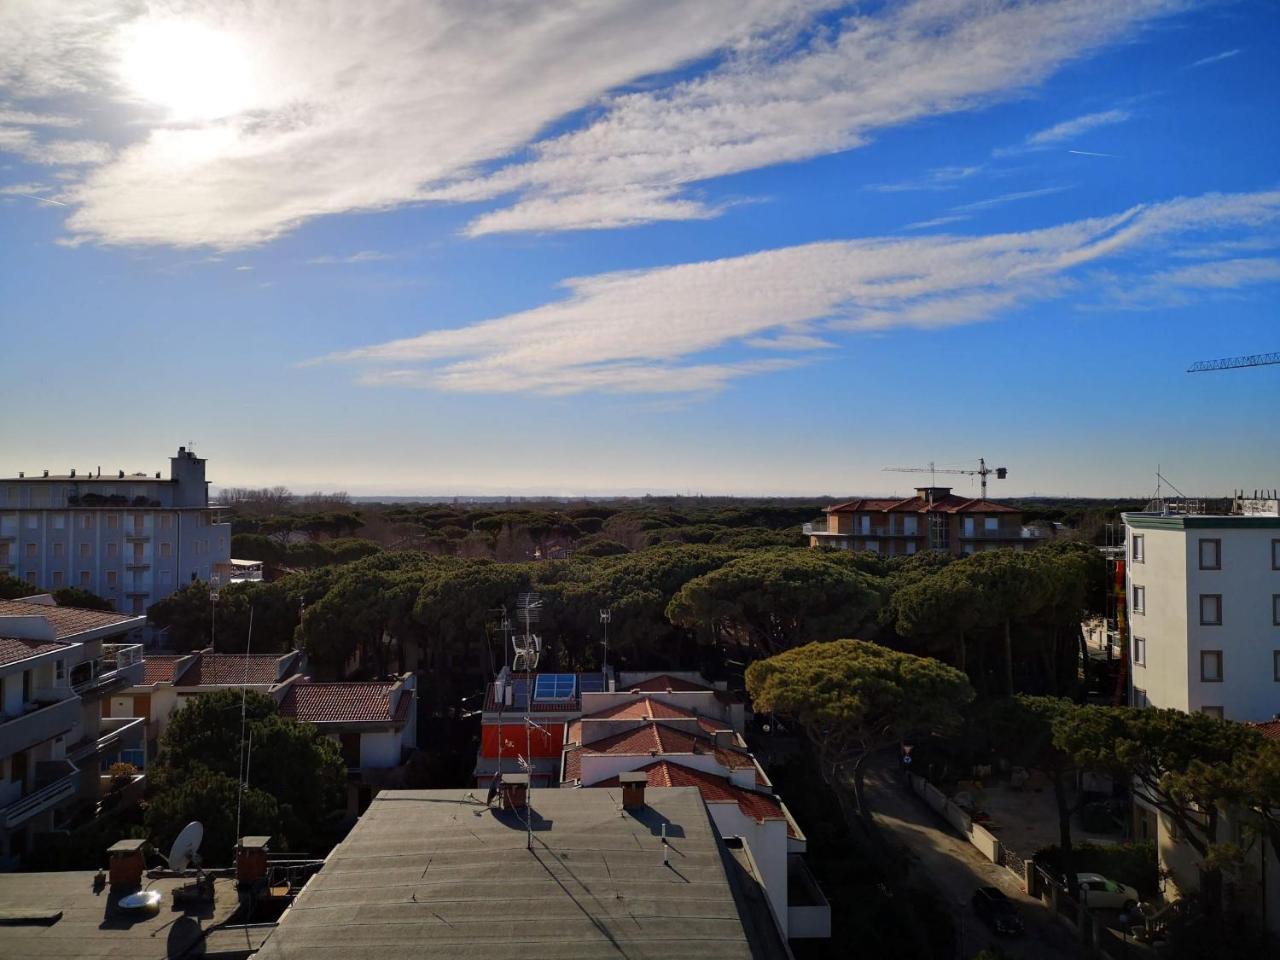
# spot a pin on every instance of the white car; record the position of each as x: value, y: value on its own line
x: 1099, y: 892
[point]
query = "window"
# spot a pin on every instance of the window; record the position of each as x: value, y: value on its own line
x: 1212, y: 711
x: 59, y: 549
x: 59, y: 522
x: 136, y: 606
x: 166, y: 521
x: 968, y: 549
x: 911, y: 547
x: 113, y: 550
x: 1210, y: 554
x: 1139, y: 599
x: 1211, y: 609
x: 166, y: 550
x: 1138, y: 551
x: 1211, y: 666
x: 1275, y: 609
x: 60, y: 670
x: 1275, y: 554
x: 31, y: 577
x: 86, y: 549
x: 57, y: 578
x: 31, y: 550
x: 1140, y: 651
x: 873, y: 546
x: 1275, y: 665
x: 968, y: 526
x: 111, y: 578
x: 991, y: 524
x: 33, y: 521
x: 909, y: 526
x: 85, y: 578
x: 1140, y: 698
x: 113, y: 521
x: 86, y: 521
x: 166, y: 577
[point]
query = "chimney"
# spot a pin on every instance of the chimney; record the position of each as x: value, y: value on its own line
x: 120, y: 475
x: 251, y: 860
x: 127, y: 863
x: 46, y: 473
x: 633, y: 785
x: 73, y: 472
x: 22, y: 474
x: 515, y: 791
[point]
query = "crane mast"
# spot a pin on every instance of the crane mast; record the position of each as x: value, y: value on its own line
x: 1234, y: 363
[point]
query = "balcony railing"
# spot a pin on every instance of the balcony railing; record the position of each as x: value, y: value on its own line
x: 119, y: 665
x: 55, y: 782
x: 40, y: 721
x: 819, y: 528
x: 114, y: 734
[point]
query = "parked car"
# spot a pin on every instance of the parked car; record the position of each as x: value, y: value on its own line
x: 1097, y: 891
x: 997, y: 911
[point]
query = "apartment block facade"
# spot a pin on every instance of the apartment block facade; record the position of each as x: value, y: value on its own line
x: 132, y: 539
x: 59, y: 667
x: 933, y: 519
x: 1204, y: 613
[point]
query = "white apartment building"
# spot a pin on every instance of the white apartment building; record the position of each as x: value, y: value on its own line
x: 56, y: 741
x: 1204, y: 612
x: 132, y: 539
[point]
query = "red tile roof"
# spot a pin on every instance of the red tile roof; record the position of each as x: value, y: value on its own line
x: 1268, y: 728
x: 947, y: 504
x: 664, y: 681
x: 368, y: 702
x: 655, y: 739
x: 67, y: 622
x: 572, y: 764
x: 646, y: 708
x: 230, y: 669
x: 664, y: 773
x: 159, y: 667
x: 13, y: 650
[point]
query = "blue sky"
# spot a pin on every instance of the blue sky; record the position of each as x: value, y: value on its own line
x: 748, y: 247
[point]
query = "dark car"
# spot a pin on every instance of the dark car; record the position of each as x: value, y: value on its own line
x: 997, y: 911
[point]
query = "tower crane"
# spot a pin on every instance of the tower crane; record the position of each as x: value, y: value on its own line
x: 983, y: 471
x: 1232, y: 363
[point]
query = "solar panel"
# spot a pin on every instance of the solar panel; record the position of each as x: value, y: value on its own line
x: 555, y: 686
x: 591, y: 682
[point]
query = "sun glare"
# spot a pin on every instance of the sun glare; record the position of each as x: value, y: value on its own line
x: 194, y: 71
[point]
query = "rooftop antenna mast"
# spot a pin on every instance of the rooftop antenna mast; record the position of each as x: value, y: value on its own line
x: 933, y: 470
x: 527, y: 646
x: 244, y: 694
x: 606, y: 615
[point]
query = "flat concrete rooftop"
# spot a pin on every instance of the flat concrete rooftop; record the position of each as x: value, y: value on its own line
x: 92, y: 926
x: 435, y: 873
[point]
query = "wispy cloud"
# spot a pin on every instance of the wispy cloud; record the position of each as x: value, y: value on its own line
x: 939, y: 178
x: 658, y: 330
x: 361, y: 256
x: 1065, y: 131
x: 1004, y: 198
x: 1215, y: 58
x: 1093, y: 153
x: 359, y: 109
x: 937, y: 222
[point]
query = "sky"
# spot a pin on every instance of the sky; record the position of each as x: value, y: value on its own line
x: 587, y: 247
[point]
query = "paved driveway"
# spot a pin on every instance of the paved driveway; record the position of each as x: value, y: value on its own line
x: 941, y: 858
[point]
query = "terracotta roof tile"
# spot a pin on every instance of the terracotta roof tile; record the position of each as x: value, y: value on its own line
x: 159, y: 667
x: 664, y: 773
x: 948, y: 504
x: 343, y: 702
x: 13, y: 650
x: 655, y: 739
x: 230, y: 669
x: 1268, y: 728
x: 646, y: 708
x: 67, y: 622
x: 664, y: 681
x: 572, y: 764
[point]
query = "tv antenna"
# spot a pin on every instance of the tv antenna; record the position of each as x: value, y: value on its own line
x: 606, y: 615
x: 982, y: 472
x: 528, y: 645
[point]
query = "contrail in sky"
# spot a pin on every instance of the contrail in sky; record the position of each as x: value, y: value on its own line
x: 1090, y: 153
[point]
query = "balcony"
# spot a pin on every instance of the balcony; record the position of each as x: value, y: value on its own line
x: 140, y: 536
x: 55, y: 783
x: 818, y: 528
x: 1021, y: 535
x: 114, y: 734
x: 43, y: 720
x: 808, y: 911
x: 119, y: 666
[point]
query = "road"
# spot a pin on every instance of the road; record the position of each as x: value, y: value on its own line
x: 942, y: 859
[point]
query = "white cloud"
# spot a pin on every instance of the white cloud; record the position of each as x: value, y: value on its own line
x: 940, y: 178
x: 652, y: 330
x: 23, y: 189
x: 937, y: 221
x: 1215, y: 58
x: 829, y: 94
x: 360, y: 256
x: 291, y: 112
x: 1004, y: 198
x: 1070, y: 129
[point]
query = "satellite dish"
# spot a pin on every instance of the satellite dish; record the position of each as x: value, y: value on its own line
x: 142, y: 900
x: 186, y: 848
